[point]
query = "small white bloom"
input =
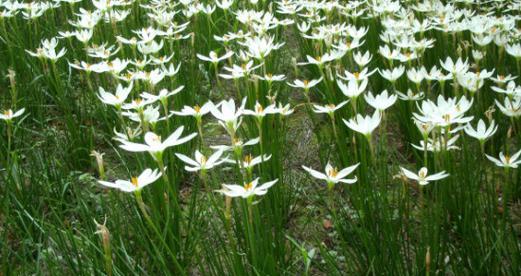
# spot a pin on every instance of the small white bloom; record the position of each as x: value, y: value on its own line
x: 8, y: 115
x: 506, y: 161
x: 248, y: 190
x: 481, y: 132
x: 153, y: 143
x: 364, y: 125
x: 135, y: 183
x: 333, y: 175
x: 382, y: 101
x: 422, y: 177
x: 201, y: 162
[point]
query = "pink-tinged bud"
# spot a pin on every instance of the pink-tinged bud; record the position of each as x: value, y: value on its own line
x: 104, y: 233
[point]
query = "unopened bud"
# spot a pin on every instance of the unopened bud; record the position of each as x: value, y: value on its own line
x: 99, y: 162
x: 104, y: 233
x: 428, y: 260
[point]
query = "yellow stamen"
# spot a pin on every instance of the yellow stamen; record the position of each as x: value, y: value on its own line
x: 333, y: 172
x: 248, y: 158
x: 134, y: 181
x: 248, y: 186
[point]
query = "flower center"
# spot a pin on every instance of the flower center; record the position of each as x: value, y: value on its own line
x: 134, y: 181
x: 333, y: 172
x: 248, y: 158
x: 248, y: 186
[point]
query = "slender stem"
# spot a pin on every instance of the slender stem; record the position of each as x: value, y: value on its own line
x: 142, y: 207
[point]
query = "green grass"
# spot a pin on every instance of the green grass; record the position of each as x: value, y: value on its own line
x: 57, y: 219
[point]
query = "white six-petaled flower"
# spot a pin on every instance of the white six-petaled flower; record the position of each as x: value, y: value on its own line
x: 481, y: 132
x: 364, y: 125
x: 332, y: 175
x: 248, y: 190
x: 8, y: 115
x: 505, y: 160
x: 421, y: 177
x: 201, y: 162
x: 153, y: 143
x: 135, y: 183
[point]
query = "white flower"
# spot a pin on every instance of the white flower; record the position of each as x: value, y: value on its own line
x: 353, y: 89
x: 271, y: 78
x: 358, y: 76
x: 364, y: 125
x: 162, y: 96
x: 153, y: 143
x: 237, y: 72
x: 247, y: 190
x: 135, y: 183
x: 444, y: 112
x: 249, y: 161
x: 259, y: 47
x: 422, y: 177
x: 305, y: 84
x: 151, y: 47
x: 48, y: 50
x: 511, y: 108
x: 260, y: 112
x: 481, y: 132
x: 237, y: 145
x: 285, y: 110
x: 514, y: 50
x: 410, y: 96
x: 362, y: 60
x: 201, y: 162
x: 196, y: 111
x: 506, y: 161
x: 150, y: 115
x: 333, y: 175
x: 8, y: 115
x: 416, y: 75
x: 325, y: 58
x: 380, y: 102
x: 328, y: 108
x: 213, y: 58
x: 502, y: 79
x: 392, y: 75
x: 455, y: 68
x: 511, y: 89
x: 438, y: 144
x: 224, y: 4
x: 228, y: 115
x: 116, y: 99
